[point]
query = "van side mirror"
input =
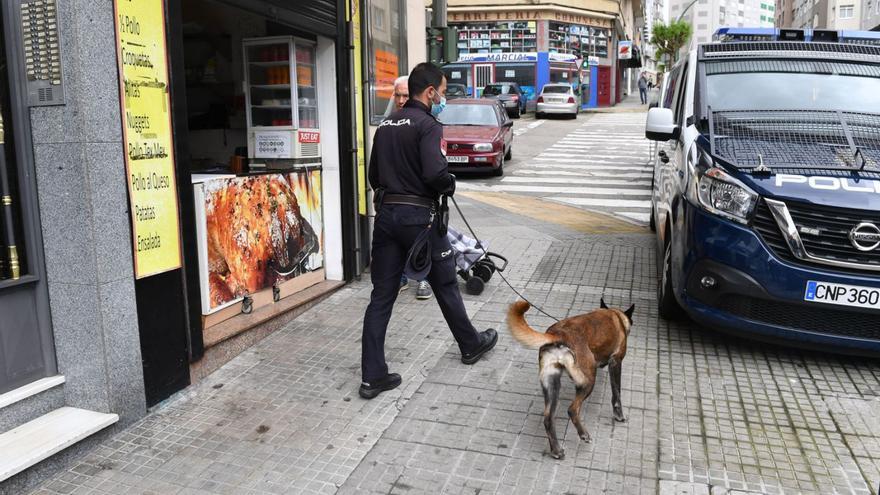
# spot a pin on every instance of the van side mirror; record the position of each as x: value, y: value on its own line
x: 660, y: 125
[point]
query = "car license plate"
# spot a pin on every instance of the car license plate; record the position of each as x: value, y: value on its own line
x: 843, y: 295
x: 457, y: 159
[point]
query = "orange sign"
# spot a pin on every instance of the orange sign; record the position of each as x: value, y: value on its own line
x: 386, y: 72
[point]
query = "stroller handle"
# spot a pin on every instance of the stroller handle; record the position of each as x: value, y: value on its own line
x: 490, y: 254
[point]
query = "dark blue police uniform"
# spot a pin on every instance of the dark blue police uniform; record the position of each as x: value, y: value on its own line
x: 407, y: 164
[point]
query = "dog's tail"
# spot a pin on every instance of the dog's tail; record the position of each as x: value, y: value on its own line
x: 521, y: 331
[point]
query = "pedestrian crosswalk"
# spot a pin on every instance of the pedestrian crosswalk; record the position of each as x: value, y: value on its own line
x: 523, y: 130
x: 601, y: 165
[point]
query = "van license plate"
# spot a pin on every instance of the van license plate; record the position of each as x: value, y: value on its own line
x: 457, y: 159
x: 843, y: 295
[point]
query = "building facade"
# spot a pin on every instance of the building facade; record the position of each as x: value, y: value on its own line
x: 589, y: 33
x: 806, y: 14
x: 844, y: 15
x: 706, y: 16
x: 178, y: 179
x: 654, y: 11
x: 870, y: 15
x: 785, y: 13
x: 828, y: 14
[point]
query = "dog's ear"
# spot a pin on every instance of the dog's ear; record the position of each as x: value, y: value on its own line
x: 602, y: 303
x: 629, y: 313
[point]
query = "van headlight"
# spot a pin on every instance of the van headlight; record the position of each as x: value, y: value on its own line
x: 720, y: 193
x: 483, y: 147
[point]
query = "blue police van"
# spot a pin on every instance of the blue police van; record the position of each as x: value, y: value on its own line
x: 766, y: 195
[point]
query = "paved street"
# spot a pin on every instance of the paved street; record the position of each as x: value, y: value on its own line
x: 600, y: 163
x: 707, y: 414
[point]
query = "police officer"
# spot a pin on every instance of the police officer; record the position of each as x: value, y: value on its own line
x: 408, y: 173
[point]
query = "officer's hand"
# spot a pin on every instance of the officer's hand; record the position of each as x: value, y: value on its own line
x: 451, y: 189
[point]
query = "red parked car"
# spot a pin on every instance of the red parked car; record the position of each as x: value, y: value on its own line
x: 478, y: 135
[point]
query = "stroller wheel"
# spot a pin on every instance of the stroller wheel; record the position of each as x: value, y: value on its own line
x: 482, y: 270
x: 475, y: 286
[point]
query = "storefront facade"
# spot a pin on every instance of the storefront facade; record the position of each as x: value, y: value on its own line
x: 178, y: 183
x: 530, y: 70
x: 589, y: 32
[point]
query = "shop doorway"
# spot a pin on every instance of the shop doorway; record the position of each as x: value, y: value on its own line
x: 484, y: 74
x: 26, y: 346
x: 255, y: 119
x: 603, y: 86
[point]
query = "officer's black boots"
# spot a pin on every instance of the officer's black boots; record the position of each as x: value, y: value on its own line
x: 376, y: 387
x: 488, y: 339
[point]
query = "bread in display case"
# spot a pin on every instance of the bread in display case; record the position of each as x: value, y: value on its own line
x: 281, y: 96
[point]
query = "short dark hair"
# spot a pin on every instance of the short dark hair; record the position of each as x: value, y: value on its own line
x: 424, y: 75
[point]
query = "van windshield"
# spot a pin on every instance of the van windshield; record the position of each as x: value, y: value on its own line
x: 846, y: 88
x: 803, y: 113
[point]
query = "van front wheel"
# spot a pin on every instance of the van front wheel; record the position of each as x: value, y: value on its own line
x: 667, y: 305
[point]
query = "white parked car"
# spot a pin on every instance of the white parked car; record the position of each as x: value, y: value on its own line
x: 557, y: 99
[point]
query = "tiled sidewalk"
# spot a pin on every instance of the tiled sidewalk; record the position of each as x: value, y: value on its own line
x: 707, y: 414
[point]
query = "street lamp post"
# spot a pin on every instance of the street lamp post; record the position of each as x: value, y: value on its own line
x: 683, y: 12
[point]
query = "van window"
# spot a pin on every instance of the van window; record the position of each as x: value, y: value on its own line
x: 680, y: 97
x: 672, y: 87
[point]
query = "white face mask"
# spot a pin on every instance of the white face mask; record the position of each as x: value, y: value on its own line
x: 437, y: 106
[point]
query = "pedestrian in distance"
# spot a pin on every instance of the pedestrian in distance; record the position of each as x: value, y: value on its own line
x: 643, y: 88
x: 408, y: 173
x: 401, y: 96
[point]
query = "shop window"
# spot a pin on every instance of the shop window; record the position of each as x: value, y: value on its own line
x: 459, y: 74
x: 521, y: 74
x: 564, y: 75
x: 386, y: 41
x: 497, y: 37
x: 583, y: 41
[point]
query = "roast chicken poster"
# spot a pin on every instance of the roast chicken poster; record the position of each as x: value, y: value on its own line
x: 261, y: 230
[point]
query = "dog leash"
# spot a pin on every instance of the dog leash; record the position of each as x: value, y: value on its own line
x: 486, y: 253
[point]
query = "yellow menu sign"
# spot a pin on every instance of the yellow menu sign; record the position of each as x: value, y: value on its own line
x: 146, y: 126
x: 355, y: 18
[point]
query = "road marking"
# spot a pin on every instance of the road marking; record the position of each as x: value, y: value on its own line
x: 602, y: 202
x: 609, y: 174
x: 591, y: 191
x: 588, y: 161
x: 523, y: 130
x: 569, y: 180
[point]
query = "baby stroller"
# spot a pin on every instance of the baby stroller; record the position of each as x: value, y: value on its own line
x: 475, y: 264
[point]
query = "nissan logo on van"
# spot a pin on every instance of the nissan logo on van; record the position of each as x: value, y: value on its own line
x: 865, y: 236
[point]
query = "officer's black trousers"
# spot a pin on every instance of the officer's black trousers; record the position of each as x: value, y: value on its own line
x: 395, y: 231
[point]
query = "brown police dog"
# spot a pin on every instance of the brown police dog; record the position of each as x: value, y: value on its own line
x: 579, y: 345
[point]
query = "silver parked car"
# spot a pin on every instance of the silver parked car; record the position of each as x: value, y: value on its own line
x: 557, y: 99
